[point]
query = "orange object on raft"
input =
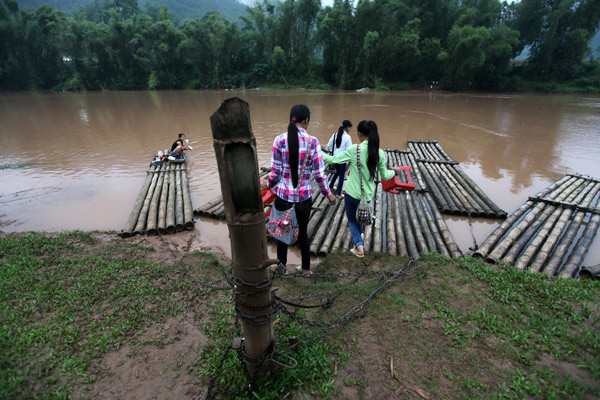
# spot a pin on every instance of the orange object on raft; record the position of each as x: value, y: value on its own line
x: 395, y: 186
x: 267, y: 197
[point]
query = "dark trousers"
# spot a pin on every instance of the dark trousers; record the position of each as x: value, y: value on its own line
x: 302, y: 215
x: 340, y: 171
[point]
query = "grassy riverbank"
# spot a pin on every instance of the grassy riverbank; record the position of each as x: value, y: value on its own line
x: 89, y: 315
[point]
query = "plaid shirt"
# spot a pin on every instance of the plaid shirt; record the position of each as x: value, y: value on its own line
x: 280, y: 178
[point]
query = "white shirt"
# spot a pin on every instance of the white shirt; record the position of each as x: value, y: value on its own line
x: 346, y: 142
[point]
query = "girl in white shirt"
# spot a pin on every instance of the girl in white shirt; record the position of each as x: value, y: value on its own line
x: 338, y: 143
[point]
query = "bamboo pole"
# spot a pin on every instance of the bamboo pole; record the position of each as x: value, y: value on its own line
x: 170, y: 219
x: 442, y: 227
x: 409, y: 159
x: 425, y: 228
x: 499, y: 212
x: 137, y: 206
x: 533, y: 246
x: 178, y: 200
x: 441, y: 150
x: 329, y: 231
x: 392, y: 247
x: 378, y: 223
x: 315, y: 217
x: 411, y: 243
x: 543, y: 255
x: 482, y: 208
x: 576, y: 258
x: 438, y: 242
x: 442, y: 200
x: 520, y: 227
x: 417, y: 229
x: 205, y: 207
x: 501, y: 230
x: 188, y: 211
x: 460, y: 192
x: 561, y: 250
x: 140, y: 226
x: 402, y: 249
x: 340, y: 236
x: 323, y: 228
x: 162, y: 206
x: 152, y: 224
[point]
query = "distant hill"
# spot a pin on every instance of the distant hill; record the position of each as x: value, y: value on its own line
x: 231, y: 9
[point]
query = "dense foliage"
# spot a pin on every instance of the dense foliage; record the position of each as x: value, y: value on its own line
x: 462, y: 44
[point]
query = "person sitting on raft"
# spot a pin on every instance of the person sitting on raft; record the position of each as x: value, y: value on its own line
x: 178, y: 146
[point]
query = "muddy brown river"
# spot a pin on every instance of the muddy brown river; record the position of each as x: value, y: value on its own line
x: 78, y: 160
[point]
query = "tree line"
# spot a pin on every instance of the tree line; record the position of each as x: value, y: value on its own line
x: 462, y: 44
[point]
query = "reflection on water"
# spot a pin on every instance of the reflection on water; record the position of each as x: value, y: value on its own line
x: 78, y: 160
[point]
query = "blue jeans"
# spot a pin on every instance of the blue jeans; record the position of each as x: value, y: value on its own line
x: 351, y: 204
x: 340, y: 171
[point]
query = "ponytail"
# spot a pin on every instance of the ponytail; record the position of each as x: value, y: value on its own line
x: 369, y: 129
x: 340, y: 132
x: 298, y: 113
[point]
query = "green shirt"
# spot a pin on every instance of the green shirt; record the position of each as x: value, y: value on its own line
x: 352, y: 186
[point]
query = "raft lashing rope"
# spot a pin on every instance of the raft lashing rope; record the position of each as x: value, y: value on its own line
x: 164, y: 203
x: 552, y: 232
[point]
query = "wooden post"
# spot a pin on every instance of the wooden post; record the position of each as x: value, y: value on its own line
x: 235, y: 148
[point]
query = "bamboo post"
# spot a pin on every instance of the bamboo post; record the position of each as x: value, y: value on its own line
x: 162, y: 203
x: 235, y: 148
x: 188, y: 211
x: 152, y: 224
x: 139, y: 203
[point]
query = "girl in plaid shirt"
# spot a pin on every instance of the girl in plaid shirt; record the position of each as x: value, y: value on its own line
x: 291, y: 150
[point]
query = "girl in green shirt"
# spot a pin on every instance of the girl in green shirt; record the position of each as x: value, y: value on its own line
x: 372, y: 159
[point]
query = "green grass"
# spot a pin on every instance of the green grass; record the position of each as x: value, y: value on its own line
x: 455, y: 329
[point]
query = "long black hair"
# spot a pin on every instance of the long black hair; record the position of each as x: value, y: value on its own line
x: 298, y: 113
x: 340, y: 132
x: 369, y: 129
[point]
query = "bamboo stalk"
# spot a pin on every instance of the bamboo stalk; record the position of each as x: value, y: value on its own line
x: 137, y: 206
x: 142, y: 218
x: 400, y: 239
x: 170, y: 219
x: 341, y: 233
x: 188, y: 211
x: 442, y: 152
x: 409, y: 159
x: 466, y: 201
x: 484, y: 209
x: 151, y: 226
x: 417, y: 229
x: 425, y: 228
x: 501, y: 230
x: 564, y: 216
x: 533, y: 246
x: 320, y: 207
x: 204, y: 208
x: 441, y: 200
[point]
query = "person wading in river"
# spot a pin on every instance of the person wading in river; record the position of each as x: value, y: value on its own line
x: 372, y: 159
x: 290, y: 150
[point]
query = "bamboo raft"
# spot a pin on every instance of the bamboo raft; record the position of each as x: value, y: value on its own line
x: 453, y: 191
x: 550, y: 233
x: 164, y: 204
x: 424, y: 230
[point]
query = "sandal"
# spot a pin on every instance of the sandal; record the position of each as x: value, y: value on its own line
x: 356, y: 253
x: 306, y: 272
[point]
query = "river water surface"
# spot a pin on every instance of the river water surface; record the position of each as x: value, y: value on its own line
x: 78, y: 160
